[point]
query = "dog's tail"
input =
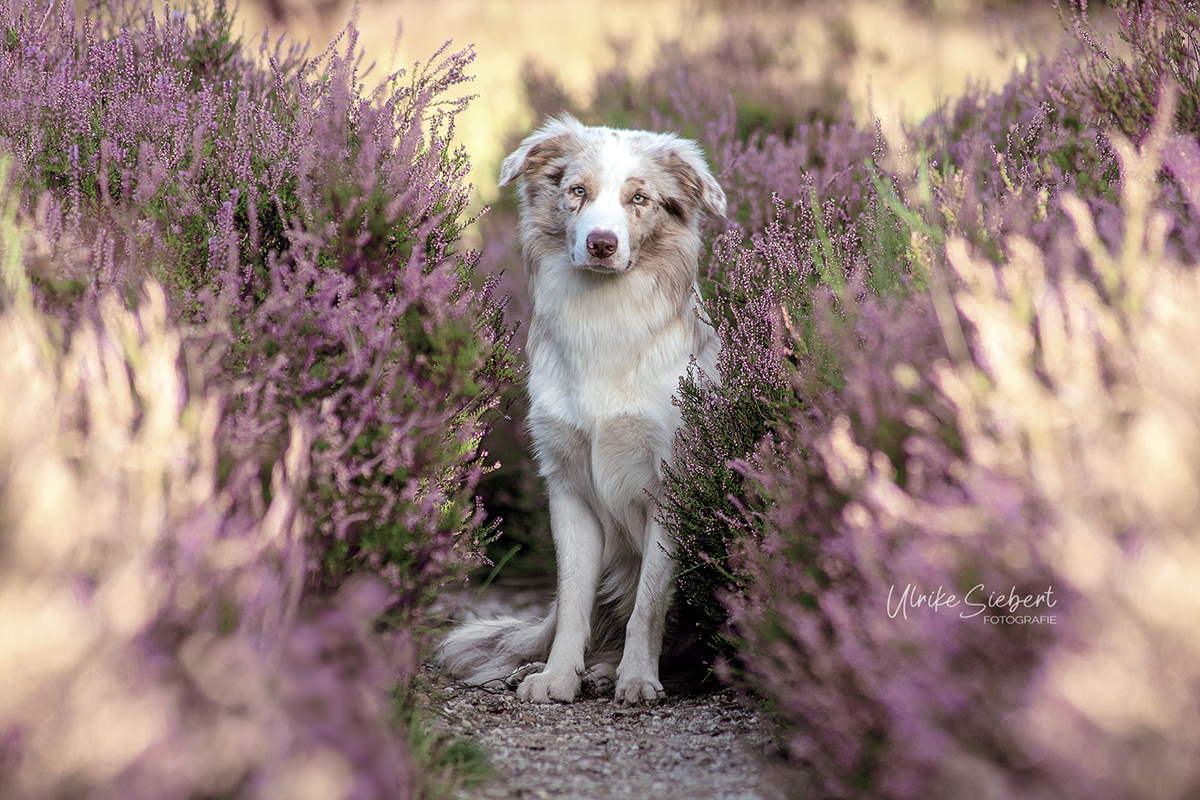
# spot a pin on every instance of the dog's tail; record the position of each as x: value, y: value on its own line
x: 481, y: 651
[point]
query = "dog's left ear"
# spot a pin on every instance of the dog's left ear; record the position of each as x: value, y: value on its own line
x: 686, y: 163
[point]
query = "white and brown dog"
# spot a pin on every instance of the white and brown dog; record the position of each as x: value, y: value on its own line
x: 609, y: 230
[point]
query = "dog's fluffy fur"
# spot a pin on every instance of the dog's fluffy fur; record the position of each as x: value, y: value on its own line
x: 610, y: 234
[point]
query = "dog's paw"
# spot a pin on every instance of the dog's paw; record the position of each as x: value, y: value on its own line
x: 598, y: 679
x: 545, y: 687
x: 600, y: 674
x: 522, y: 672
x: 637, y: 690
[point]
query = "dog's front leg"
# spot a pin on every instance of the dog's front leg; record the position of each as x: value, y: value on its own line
x: 579, y: 548
x: 637, y: 674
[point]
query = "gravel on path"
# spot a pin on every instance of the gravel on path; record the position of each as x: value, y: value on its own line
x: 705, y: 746
x: 699, y: 747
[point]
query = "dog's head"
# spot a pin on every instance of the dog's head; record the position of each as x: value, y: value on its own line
x: 605, y: 194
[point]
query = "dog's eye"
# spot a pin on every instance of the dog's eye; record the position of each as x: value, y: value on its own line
x: 640, y: 199
x: 578, y: 191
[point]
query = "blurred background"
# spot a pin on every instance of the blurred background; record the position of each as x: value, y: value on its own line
x: 891, y: 60
x: 784, y: 63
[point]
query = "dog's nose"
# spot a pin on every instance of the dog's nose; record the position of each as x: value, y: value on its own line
x: 601, y: 244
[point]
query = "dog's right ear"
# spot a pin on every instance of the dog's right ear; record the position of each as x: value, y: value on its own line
x: 543, y: 145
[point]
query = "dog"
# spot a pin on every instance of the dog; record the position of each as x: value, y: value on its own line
x: 610, y: 235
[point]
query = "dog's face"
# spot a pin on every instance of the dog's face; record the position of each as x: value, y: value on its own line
x: 606, y: 195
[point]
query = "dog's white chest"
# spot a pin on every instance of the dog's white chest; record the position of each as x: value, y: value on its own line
x: 585, y: 398
x: 590, y: 364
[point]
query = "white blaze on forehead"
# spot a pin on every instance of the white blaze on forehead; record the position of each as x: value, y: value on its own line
x: 604, y: 210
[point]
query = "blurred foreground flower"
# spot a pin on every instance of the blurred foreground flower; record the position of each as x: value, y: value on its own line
x: 1093, y: 396
x: 152, y: 640
x: 1053, y: 451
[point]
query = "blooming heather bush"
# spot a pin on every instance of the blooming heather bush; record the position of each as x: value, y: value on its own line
x: 153, y: 643
x: 818, y: 236
x: 133, y: 119
x: 1001, y: 160
x: 768, y: 290
x: 816, y: 209
x: 1163, y: 42
x: 307, y: 233
x: 1054, y: 460
x: 874, y: 705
